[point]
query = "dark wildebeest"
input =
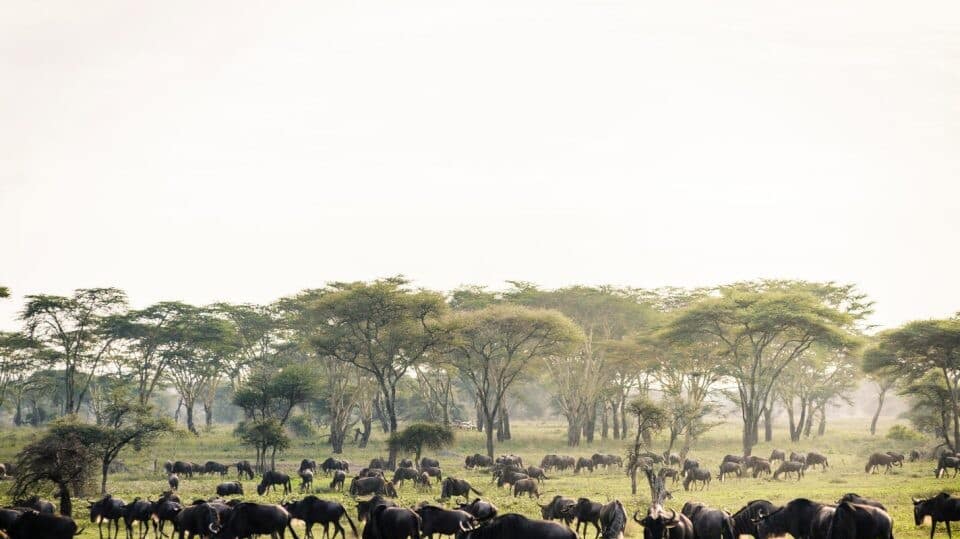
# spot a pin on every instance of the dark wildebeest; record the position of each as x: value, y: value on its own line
x: 789, y: 467
x: 173, y: 481
x: 777, y: 455
x: 583, y: 463
x: 657, y: 525
x: 423, y: 482
x: 761, y: 467
x: 613, y: 520
x: 708, y: 522
x: 427, y: 462
x: 272, y: 478
x: 608, y: 460
x: 799, y: 517
x: 312, y: 510
x: 35, y: 525
x: 815, y: 459
x: 744, y: 520
x: 244, y: 467
x: 8, y: 517
x: 728, y: 468
x: 732, y: 458
x: 308, y: 464
x: 37, y: 504
x: 432, y: 471
x: 881, y: 459
x: 231, y: 488
x: 371, y: 472
x: 372, y: 485
x: 549, y: 461
x: 456, y: 487
x: 510, y: 478
x: 697, y: 475
x: 249, y: 518
x: 657, y: 459
x: 108, y: 509
x: 481, y: 509
x: 536, y: 473
x: 900, y: 457
x: 443, y: 521
x: 515, y: 526
x: 182, y: 468
x: 664, y: 473
x: 565, y: 462
x: 860, y: 521
x: 404, y: 474
x: 365, y: 508
x: 477, y: 461
x: 212, y: 467
x: 941, y: 508
x: 672, y: 459
x: 689, y: 464
x: 166, y: 511
x: 332, y: 464
x: 392, y: 523
x: 526, y: 486
x: 510, y: 459
x: 378, y: 462
x: 196, y: 468
x: 798, y: 457
x: 138, y: 511
x: 587, y: 512
x: 947, y: 461
x: 338, y: 478
x: 860, y: 500
x: 306, y: 480
x: 559, y: 508
x: 915, y: 455
x: 405, y: 463
x: 201, y: 519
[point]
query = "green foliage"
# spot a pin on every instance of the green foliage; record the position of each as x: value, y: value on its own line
x: 301, y: 426
x: 269, y: 394
x: 417, y: 436
x: 903, y: 433
x: 4, y: 292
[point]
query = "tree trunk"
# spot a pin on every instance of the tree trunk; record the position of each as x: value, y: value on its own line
x: 208, y: 415
x: 809, y: 423
x: 768, y: 424
x: 190, y: 425
x: 507, y: 435
x: 273, y: 459
x: 66, y: 504
x: 176, y: 413
x: 489, y: 433
x: 590, y: 425
x: 876, y: 415
x: 822, y: 427
x: 367, y: 429
x: 604, y: 423
x: 615, y: 419
x: 624, y: 424
x: 480, y: 419
x: 104, y: 469
x: 749, y: 438
x: 574, y: 429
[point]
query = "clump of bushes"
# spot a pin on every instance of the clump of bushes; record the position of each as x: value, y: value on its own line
x: 902, y: 433
x: 301, y: 427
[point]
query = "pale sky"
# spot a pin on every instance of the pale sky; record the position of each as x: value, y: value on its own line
x: 240, y: 151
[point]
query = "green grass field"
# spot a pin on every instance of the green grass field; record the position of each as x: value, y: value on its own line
x: 847, y: 445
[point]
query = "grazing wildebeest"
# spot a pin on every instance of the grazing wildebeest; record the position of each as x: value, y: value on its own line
x: 231, y: 488
x: 423, y: 481
x: 308, y: 464
x: 881, y: 459
x: 559, y: 508
x: 244, y: 467
x: 947, y: 461
x: 664, y: 473
x: 378, y: 462
x: 201, y: 519
x: 799, y: 517
x: 404, y: 474
x: 478, y: 461
x: 814, y: 459
x: 332, y: 464
x: 915, y: 455
x: 760, y: 468
x: 514, y: 526
x: 549, y: 461
x: 173, y: 481
x: 798, y: 457
x: 166, y: 511
x: 312, y: 510
x: 456, y: 487
x: 108, y: 509
x: 140, y: 511
x: 37, y: 504
x: 610, y: 460
x: 860, y: 521
x: 583, y: 463
x: 657, y: 459
x: 212, y: 467
x: 708, y: 522
x: 941, y: 508
x: 510, y: 478
x: 777, y: 455
x: 526, y: 486
x: 196, y: 468
x: 788, y: 467
x: 689, y: 464
x: 481, y: 509
x: 672, y: 459
x: 306, y: 480
x: 405, y: 463
x: 587, y: 512
x: 536, y: 473
x: 392, y: 523
x: 728, y: 468
x: 35, y: 525
x: 565, y: 462
x: 372, y: 485
x: 432, y: 471
x: 427, y: 462
x: 900, y: 457
x: 613, y: 520
x: 732, y: 458
x: 249, y: 518
x: 272, y: 478
x: 697, y: 475
x: 657, y: 525
x: 371, y: 472
x: 443, y: 521
x: 338, y: 478
x: 744, y: 520
x: 509, y: 459
x: 182, y: 468
x: 860, y: 500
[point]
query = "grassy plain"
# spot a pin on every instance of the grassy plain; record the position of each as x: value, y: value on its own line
x: 847, y: 445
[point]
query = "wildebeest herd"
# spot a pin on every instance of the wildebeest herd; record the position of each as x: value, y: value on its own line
x: 851, y: 516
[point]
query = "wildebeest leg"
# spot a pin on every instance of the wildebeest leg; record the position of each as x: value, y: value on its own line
x: 933, y: 526
x: 949, y: 534
x: 597, y: 526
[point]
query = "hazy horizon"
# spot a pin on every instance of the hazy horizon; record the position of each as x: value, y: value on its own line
x: 240, y: 152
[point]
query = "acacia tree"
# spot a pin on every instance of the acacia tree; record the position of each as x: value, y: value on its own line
x: 72, y: 328
x: 877, y: 368
x: 436, y: 387
x: 651, y: 419
x: 62, y: 457
x: 417, y: 436
x: 495, y: 345
x: 18, y: 358
x: 382, y: 328
x: 759, y: 334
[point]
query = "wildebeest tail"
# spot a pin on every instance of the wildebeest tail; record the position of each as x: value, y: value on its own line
x: 476, y: 491
x: 80, y: 531
x: 352, y: 525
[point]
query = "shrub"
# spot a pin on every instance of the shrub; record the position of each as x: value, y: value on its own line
x: 900, y: 432
x: 301, y: 427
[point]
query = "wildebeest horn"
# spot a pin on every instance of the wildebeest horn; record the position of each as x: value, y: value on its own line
x: 672, y: 521
x: 914, y: 500
x: 635, y: 519
x: 214, y: 528
x: 464, y: 528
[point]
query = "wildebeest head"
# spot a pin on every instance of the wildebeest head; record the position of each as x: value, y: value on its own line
x: 657, y: 525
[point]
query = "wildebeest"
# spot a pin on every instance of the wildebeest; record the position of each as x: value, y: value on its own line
x: 536, y: 473
x: 456, y: 487
x: 613, y: 520
x: 583, y: 463
x: 230, y: 488
x: 312, y: 510
x: 180, y: 468
x: 249, y: 518
x: 514, y: 526
x: 306, y: 479
x: 405, y: 463
x: 107, y: 509
x: 664, y: 473
x: 478, y: 461
x: 443, y: 521
x: 174, y: 481
x: 689, y: 464
x: 378, y: 462
x: 371, y: 472
x: 366, y: 507
x: 559, y: 508
x: 201, y: 519
x: 860, y: 500
x: 788, y: 467
x: 744, y: 520
x: 423, y: 481
x: 8, y: 517
x: 777, y: 455
x: 526, y: 486
x: 798, y: 457
x: 915, y: 455
x: 166, y: 511
x: 881, y: 459
x: 332, y: 464
x: 941, y: 508
x: 481, y: 509
x: 587, y: 512
x: 732, y: 458
x: 432, y: 471
x: 338, y: 478
x: 35, y: 525
x: 509, y: 459
x: 404, y: 474
x: 244, y: 468
x: 708, y: 522
x: 608, y: 460
x: 140, y: 511
x: 212, y: 467
x: 657, y: 525
x: 728, y: 468
x: 392, y: 523
x: 371, y: 485
x: 814, y: 459
x: 947, y: 461
x: 272, y: 478
x: 672, y: 459
x: 549, y: 461
x: 697, y: 475
x: 860, y: 521
x: 800, y: 517
x: 510, y: 478
x: 308, y: 464
x: 37, y: 504
x: 427, y: 462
